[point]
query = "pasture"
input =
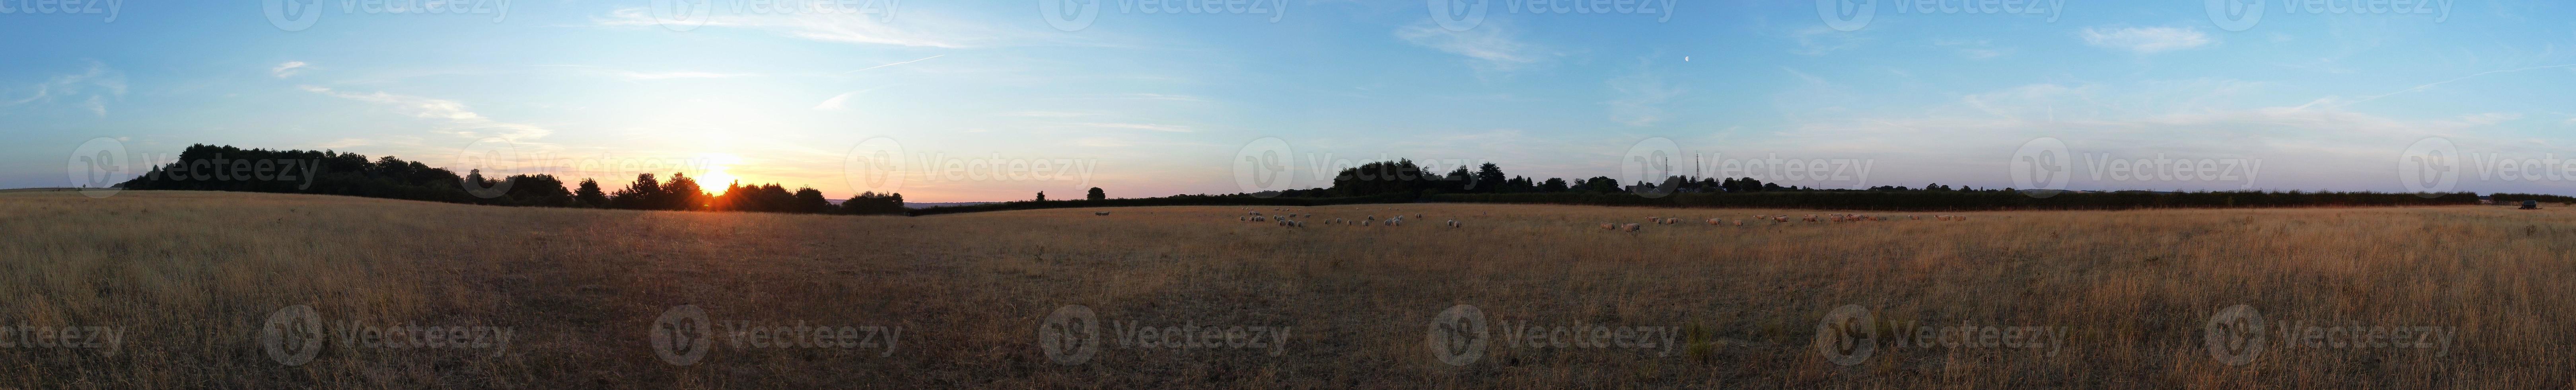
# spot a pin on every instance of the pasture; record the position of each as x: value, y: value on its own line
x: 2078, y: 299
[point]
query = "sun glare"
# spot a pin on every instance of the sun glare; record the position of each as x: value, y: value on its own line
x: 715, y: 178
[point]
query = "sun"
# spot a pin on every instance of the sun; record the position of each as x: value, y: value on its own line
x: 714, y: 178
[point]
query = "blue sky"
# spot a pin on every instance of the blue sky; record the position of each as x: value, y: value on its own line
x: 2301, y: 95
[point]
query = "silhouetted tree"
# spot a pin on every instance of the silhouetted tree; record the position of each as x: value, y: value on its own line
x: 1096, y: 194
x: 589, y: 195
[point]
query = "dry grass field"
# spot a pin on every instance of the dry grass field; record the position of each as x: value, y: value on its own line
x: 190, y: 279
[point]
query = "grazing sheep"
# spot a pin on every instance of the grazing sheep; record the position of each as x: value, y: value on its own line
x: 1944, y: 217
x: 1716, y: 221
x: 1609, y: 226
x: 1629, y: 227
x: 1650, y: 219
x: 1739, y: 222
x: 1810, y: 218
x: 1917, y: 217
x: 1454, y: 223
x: 1100, y: 213
x: 1417, y: 215
x: 1959, y: 218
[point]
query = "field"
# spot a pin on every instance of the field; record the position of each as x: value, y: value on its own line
x: 2122, y: 299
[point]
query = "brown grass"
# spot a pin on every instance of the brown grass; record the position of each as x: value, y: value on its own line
x: 191, y: 276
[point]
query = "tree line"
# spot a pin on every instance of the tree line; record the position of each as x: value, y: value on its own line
x: 226, y: 168
x: 208, y: 167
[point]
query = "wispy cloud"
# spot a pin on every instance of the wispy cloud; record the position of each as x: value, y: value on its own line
x: 288, y: 69
x: 1493, y: 44
x: 91, y: 89
x: 459, y: 119
x: 2145, y: 40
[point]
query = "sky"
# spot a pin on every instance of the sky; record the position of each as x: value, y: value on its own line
x: 955, y: 101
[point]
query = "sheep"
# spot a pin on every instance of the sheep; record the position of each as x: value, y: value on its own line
x: 1650, y: 219
x: 1959, y: 218
x: 1810, y: 218
x: 1944, y: 217
x: 1781, y: 219
x: 1453, y: 223
x: 1417, y: 215
x: 1672, y: 220
x: 1609, y: 226
x: 1739, y: 222
x: 1364, y: 223
x: 1100, y: 213
x: 1716, y: 221
x: 1629, y: 228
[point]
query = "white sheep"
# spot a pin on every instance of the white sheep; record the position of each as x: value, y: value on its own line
x: 1453, y: 223
x: 1100, y: 213
x: 1609, y: 226
x: 1629, y: 227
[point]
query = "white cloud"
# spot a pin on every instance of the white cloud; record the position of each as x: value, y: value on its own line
x: 91, y: 88
x: 460, y: 120
x: 1491, y: 43
x: 288, y: 69
x: 2145, y: 40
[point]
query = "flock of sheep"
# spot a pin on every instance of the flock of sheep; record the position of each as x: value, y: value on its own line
x: 1776, y: 219
x: 1283, y: 219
